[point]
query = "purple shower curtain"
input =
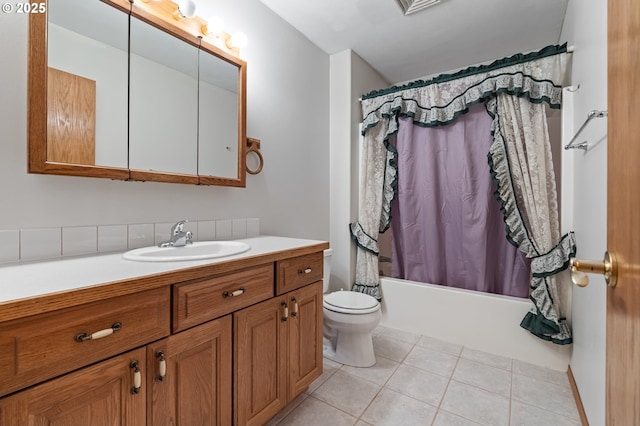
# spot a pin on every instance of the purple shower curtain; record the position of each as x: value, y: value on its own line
x: 447, y: 225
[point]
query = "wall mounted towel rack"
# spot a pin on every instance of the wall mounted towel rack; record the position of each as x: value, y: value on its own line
x: 584, y: 145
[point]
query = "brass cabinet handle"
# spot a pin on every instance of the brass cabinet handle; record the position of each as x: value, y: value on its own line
x: 307, y: 270
x: 285, y: 314
x: 83, y: 337
x: 137, y: 377
x: 295, y: 307
x: 607, y: 267
x: 162, y: 366
x: 236, y: 293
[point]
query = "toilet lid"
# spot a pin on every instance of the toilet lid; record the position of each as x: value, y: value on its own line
x: 352, y: 301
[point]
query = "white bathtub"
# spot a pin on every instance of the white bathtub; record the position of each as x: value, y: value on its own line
x: 487, y: 322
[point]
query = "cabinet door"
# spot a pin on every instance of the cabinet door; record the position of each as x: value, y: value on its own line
x: 189, y: 376
x: 305, y: 337
x: 97, y: 395
x: 260, y: 334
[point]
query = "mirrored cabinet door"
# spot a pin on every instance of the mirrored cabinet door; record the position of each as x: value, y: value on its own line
x: 87, y: 83
x: 163, y: 101
x: 218, y: 117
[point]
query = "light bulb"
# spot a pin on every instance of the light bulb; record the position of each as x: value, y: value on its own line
x: 238, y: 40
x: 214, y: 25
x: 187, y: 8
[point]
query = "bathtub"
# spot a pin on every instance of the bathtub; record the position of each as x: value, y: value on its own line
x: 482, y: 321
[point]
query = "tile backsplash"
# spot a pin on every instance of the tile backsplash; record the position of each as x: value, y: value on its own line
x: 50, y: 243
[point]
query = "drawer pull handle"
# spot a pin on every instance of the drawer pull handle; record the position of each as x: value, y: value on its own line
x: 82, y: 337
x: 285, y: 315
x: 295, y: 307
x: 162, y: 366
x: 137, y: 377
x: 307, y: 270
x: 238, y: 292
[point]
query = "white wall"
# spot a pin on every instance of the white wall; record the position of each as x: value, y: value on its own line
x: 351, y: 77
x: 585, y: 27
x: 287, y: 108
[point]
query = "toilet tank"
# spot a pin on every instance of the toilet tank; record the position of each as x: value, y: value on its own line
x: 327, y: 269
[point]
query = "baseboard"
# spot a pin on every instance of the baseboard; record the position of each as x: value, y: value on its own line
x: 576, y: 396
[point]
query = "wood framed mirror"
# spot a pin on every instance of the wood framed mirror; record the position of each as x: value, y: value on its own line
x: 123, y: 90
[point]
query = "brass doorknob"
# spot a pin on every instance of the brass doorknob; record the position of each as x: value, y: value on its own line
x: 607, y: 267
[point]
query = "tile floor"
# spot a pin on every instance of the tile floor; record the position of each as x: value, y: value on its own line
x: 418, y: 380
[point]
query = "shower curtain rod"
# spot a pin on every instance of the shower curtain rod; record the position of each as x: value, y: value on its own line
x: 570, y: 49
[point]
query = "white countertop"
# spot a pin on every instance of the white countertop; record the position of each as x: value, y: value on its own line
x: 31, y: 279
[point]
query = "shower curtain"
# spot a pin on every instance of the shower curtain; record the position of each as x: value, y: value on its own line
x: 447, y: 225
x: 513, y: 90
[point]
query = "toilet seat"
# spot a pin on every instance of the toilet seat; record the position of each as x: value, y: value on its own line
x: 350, y: 302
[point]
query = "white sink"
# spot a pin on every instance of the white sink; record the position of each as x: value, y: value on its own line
x: 196, y: 251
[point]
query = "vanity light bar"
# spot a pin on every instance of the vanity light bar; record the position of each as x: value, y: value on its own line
x: 183, y: 15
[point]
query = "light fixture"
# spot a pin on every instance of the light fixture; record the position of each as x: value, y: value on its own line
x: 238, y: 41
x: 186, y: 9
x: 213, y: 25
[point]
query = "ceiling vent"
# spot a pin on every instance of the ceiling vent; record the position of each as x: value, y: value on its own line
x: 413, y: 6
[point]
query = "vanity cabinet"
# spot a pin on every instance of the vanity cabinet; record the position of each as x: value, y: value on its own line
x: 96, y: 395
x: 39, y: 347
x: 189, y: 376
x: 215, y: 345
x: 278, y: 353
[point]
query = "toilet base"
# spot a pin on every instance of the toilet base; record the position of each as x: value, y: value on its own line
x: 353, y: 349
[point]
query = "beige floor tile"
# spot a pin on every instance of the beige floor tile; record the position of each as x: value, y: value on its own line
x: 542, y: 394
x: 444, y: 418
x: 439, y: 345
x: 527, y: 415
x: 546, y: 374
x: 483, y: 376
x: 326, y: 373
x: 312, y: 412
x: 393, y: 349
x: 436, y: 362
x: 378, y: 373
x: 419, y: 384
x: 286, y: 410
x: 346, y: 392
x: 391, y: 408
x: 487, y: 358
x: 478, y: 404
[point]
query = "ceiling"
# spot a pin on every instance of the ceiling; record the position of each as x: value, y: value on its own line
x: 445, y: 37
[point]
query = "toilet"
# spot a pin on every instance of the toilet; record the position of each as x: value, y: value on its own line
x: 349, y: 319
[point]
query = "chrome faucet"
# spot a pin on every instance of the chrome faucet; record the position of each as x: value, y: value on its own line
x: 179, y: 238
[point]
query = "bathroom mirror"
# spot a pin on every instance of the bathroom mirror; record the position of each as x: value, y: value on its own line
x: 220, y: 120
x: 163, y: 101
x: 125, y: 91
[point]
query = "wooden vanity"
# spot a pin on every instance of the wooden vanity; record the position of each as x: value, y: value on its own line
x: 223, y: 342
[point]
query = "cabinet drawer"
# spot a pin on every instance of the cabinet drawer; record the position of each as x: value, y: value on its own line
x: 40, y: 347
x: 198, y: 301
x: 298, y: 271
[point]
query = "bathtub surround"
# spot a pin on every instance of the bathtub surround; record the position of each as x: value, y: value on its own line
x: 482, y: 321
x: 514, y: 90
x: 50, y: 243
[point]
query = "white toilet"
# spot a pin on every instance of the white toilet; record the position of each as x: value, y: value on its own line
x: 349, y: 318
